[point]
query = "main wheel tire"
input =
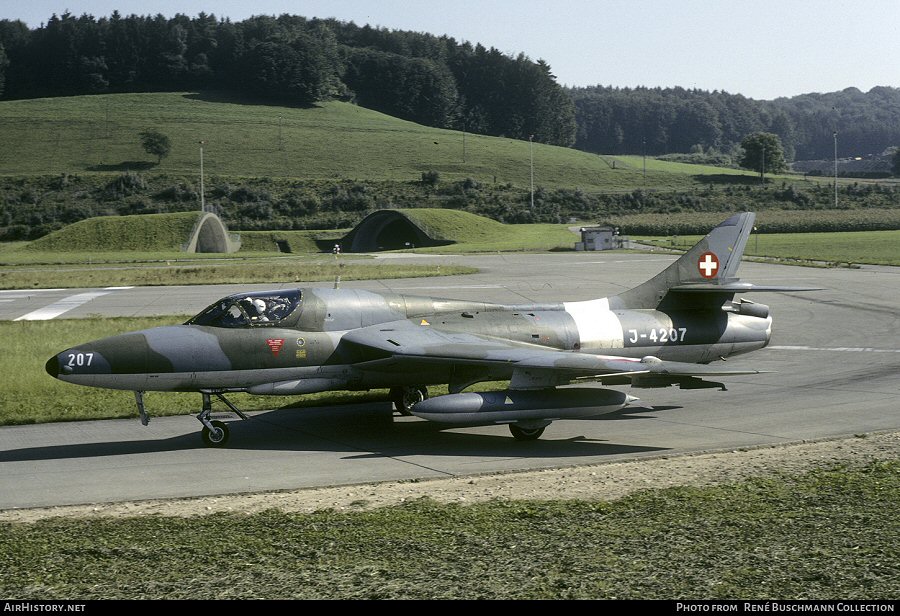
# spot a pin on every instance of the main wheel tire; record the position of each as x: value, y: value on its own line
x: 526, y: 434
x: 218, y: 436
x: 405, y: 398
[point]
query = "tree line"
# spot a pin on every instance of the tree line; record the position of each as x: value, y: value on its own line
x: 655, y: 121
x: 290, y: 59
x: 433, y: 80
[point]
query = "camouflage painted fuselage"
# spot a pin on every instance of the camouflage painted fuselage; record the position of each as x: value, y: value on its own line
x: 307, y: 350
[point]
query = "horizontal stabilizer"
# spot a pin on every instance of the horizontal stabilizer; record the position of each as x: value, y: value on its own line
x: 737, y: 286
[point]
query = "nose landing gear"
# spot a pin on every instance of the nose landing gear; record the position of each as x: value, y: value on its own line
x: 215, y: 433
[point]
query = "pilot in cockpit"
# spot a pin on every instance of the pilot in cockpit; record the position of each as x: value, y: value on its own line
x: 257, y: 310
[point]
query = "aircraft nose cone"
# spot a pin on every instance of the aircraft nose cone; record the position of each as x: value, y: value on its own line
x: 52, y: 366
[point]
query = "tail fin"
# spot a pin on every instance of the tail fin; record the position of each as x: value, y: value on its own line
x: 710, y: 266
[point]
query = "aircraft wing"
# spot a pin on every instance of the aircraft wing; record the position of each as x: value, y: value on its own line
x: 403, y: 344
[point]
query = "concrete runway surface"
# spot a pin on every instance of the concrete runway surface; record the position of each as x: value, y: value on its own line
x: 835, y: 353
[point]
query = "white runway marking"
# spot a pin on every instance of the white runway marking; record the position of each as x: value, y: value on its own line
x: 836, y: 349
x: 66, y: 304
x: 477, y: 286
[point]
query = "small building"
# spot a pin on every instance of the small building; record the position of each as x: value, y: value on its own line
x: 599, y: 238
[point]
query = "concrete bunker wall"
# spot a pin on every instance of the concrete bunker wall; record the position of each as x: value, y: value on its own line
x: 387, y: 230
x: 210, y: 235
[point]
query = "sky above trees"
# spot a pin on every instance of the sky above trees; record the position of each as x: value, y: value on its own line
x: 763, y: 50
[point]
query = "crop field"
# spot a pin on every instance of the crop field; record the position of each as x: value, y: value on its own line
x: 861, y: 247
x: 767, y: 221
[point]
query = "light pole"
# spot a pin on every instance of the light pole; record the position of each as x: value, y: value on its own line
x: 644, y: 154
x: 202, y: 192
x: 531, y: 148
x: 464, y: 140
x: 835, y: 170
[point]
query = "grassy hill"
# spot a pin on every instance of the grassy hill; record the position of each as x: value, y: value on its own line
x: 471, y: 233
x: 147, y: 232
x: 99, y: 133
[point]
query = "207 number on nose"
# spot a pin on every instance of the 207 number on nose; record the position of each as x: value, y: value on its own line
x: 80, y: 359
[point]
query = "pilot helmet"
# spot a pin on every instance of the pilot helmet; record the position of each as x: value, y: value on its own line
x: 259, y: 305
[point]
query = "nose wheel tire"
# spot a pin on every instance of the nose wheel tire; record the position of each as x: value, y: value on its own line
x: 525, y: 434
x: 217, y: 437
x: 405, y: 398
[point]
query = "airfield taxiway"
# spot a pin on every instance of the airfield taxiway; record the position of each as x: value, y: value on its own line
x: 835, y: 354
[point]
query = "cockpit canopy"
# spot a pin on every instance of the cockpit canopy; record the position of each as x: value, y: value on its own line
x: 259, y: 309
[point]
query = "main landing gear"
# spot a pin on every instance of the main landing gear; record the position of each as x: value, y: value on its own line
x: 528, y: 430
x: 405, y: 398
x: 215, y: 433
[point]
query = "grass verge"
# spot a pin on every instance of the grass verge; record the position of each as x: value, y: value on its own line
x: 156, y: 274
x: 827, y: 534
x: 871, y: 247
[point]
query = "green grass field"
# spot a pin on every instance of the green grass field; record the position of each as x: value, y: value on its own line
x: 767, y: 221
x: 870, y: 247
x: 267, y: 270
x: 825, y: 535
x: 330, y: 140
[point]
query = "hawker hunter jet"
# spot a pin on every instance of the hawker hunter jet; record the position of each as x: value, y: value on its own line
x: 666, y: 331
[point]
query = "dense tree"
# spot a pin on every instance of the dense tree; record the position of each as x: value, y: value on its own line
x: 411, y: 88
x: 657, y: 121
x: 156, y: 143
x: 430, y: 79
x: 762, y: 152
x: 4, y: 62
x: 895, y: 160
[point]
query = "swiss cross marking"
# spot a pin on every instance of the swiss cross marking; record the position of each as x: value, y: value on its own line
x: 708, y: 265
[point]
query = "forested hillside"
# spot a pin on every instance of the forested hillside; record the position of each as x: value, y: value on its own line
x: 429, y: 79
x: 433, y: 80
x: 659, y: 121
